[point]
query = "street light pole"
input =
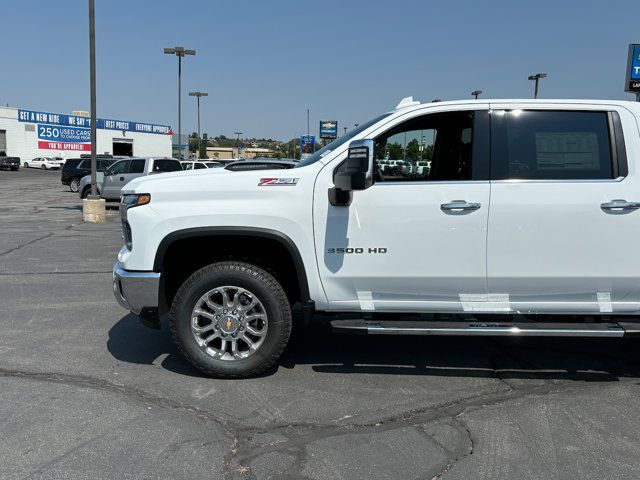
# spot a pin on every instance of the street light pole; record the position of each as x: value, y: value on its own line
x: 179, y: 52
x: 345, y: 130
x: 92, y: 80
x: 476, y: 93
x: 536, y: 78
x: 198, y: 95
x: 238, y: 143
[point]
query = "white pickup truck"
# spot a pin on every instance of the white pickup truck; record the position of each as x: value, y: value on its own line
x: 529, y: 209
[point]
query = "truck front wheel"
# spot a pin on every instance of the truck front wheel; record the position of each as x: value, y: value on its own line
x: 231, y: 319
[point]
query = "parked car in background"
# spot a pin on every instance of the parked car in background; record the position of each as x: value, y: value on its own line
x: 261, y: 164
x: 59, y: 160
x: 199, y: 164
x: 45, y: 163
x: 122, y: 172
x: 9, y: 163
x: 76, y: 168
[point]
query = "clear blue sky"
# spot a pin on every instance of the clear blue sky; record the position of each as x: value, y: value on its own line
x: 265, y: 62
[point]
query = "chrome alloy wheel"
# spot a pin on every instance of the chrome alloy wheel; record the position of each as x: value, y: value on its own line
x: 229, y: 323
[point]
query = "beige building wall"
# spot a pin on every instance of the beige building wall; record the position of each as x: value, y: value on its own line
x: 230, y: 153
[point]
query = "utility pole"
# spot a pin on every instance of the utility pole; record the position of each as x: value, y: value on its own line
x: 238, y: 142
x: 92, y: 80
x: 307, y: 122
x: 536, y: 78
x: 179, y: 52
x: 198, y: 95
x: 345, y: 130
x: 476, y: 93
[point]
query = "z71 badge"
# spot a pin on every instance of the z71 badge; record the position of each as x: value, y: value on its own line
x: 277, y: 182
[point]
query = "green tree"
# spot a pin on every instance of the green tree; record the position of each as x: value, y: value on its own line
x: 427, y: 154
x: 413, y: 150
x: 395, y: 151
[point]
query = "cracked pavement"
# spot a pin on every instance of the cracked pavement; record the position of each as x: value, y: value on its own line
x: 88, y: 392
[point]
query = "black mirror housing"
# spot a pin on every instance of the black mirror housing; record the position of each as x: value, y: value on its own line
x: 357, y: 173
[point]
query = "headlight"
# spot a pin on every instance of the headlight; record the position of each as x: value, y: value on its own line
x: 126, y: 202
x: 135, y: 200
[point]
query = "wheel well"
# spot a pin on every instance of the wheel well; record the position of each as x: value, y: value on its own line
x: 184, y: 256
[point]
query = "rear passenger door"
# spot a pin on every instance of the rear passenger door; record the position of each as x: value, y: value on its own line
x: 563, y: 207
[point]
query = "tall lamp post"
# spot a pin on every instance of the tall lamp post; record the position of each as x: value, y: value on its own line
x: 92, y: 80
x: 93, y: 207
x: 476, y: 93
x: 198, y: 95
x: 238, y: 142
x: 179, y: 52
x: 536, y: 78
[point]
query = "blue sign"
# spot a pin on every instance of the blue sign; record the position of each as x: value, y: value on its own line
x: 307, y: 146
x: 55, y: 133
x: 75, y: 121
x: 635, y: 63
x: 328, y: 129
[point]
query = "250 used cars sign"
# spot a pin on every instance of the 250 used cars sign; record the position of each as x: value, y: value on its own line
x: 55, y: 137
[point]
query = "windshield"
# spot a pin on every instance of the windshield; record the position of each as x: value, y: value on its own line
x: 339, y: 141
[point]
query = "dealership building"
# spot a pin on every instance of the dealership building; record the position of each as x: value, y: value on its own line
x: 29, y: 134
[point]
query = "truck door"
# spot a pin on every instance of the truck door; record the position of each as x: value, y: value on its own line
x: 415, y: 240
x: 115, y: 178
x: 563, y: 209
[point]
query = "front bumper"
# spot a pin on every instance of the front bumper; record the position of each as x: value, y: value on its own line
x: 137, y: 291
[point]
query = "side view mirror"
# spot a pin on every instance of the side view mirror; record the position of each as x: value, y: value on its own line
x: 357, y: 172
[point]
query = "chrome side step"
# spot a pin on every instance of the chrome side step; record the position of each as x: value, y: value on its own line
x: 531, y: 329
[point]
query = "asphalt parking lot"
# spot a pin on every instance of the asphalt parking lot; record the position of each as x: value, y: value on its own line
x: 88, y: 392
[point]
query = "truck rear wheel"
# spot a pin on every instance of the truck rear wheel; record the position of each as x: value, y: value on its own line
x: 231, y: 319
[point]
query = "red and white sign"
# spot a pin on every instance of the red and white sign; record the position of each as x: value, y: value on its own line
x: 84, y: 147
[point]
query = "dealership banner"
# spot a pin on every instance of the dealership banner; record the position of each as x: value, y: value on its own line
x: 58, y: 131
x: 307, y: 146
x: 30, y: 116
x: 53, y: 137
x: 328, y: 129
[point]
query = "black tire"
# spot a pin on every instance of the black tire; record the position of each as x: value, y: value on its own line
x: 14, y: 169
x: 43, y: 167
x: 86, y: 192
x: 264, y: 286
x: 26, y: 165
x: 74, y: 185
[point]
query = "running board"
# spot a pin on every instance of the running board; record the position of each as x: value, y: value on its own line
x: 530, y: 329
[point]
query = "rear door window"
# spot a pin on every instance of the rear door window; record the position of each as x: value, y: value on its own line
x: 137, y: 166
x: 551, y: 145
x: 166, y: 166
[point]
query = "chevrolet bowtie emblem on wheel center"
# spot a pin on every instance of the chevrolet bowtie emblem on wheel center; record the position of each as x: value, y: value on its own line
x: 229, y: 323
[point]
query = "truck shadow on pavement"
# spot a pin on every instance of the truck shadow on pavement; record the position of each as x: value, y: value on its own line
x: 579, y: 359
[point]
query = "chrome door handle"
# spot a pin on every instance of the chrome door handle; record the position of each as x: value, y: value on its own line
x: 459, y: 205
x: 619, y: 205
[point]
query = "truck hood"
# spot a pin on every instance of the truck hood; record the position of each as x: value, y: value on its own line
x: 191, y: 182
